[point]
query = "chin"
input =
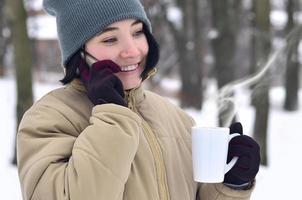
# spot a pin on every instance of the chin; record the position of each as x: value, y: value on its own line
x: 131, y: 79
x: 129, y: 86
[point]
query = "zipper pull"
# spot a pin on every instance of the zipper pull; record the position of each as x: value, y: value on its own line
x: 129, y: 100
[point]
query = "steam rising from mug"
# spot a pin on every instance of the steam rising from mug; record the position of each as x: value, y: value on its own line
x: 226, y: 103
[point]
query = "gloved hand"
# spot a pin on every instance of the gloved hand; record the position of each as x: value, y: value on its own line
x: 248, y: 151
x: 101, y: 83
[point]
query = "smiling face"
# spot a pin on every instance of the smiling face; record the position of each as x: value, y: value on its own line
x: 124, y: 43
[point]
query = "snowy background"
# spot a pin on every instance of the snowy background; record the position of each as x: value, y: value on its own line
x: 279, y: 181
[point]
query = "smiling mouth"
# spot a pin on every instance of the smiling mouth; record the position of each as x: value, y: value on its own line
x: 129, y: 68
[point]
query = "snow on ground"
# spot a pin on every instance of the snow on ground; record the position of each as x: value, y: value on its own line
x: 9, y: 182
x: 280, y: 180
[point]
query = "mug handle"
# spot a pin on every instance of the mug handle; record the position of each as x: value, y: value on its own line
x: 231, y: 164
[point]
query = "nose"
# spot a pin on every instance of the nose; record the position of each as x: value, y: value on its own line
x: 130, y: 49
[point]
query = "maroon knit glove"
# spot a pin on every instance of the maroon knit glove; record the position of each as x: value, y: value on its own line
x: 101, y: 83
x: 248, y: 151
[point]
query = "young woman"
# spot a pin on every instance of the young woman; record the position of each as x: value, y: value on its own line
x: 103, y: 136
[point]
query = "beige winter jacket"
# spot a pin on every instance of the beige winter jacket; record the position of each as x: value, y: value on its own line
x: 70, y: 150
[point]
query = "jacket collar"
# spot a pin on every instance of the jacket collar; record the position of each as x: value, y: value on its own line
x: 133, y: 96
x: 77, y: 84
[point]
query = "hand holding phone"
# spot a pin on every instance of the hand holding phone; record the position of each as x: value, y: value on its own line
x: 101, y: 83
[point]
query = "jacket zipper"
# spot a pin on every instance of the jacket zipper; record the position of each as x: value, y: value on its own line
x: 155, y: 149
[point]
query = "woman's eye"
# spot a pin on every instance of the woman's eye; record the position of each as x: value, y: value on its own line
x: 138, y: 33
x: 109, y: 41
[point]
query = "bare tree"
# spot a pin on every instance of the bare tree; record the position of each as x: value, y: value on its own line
x: 181, y: 42
x: 157, y: 13
x: 188, y: 39
x: 22, y: 58
x: 225, y: 22
x: 292, y: 68
x: 261, y: 49
x: 3, y: 39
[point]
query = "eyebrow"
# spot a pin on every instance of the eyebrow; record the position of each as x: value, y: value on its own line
x: 108, y: 29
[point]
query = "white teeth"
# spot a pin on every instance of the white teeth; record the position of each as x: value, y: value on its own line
x: 129, y: 68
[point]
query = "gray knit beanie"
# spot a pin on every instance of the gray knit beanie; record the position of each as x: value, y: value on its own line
x: 80, y: 20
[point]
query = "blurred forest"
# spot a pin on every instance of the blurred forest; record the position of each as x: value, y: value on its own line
x: 201, y: 41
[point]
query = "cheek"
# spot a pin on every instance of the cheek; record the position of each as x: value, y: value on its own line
x: 145, y: 47
x: 102, y: 53
x: 106, y: 55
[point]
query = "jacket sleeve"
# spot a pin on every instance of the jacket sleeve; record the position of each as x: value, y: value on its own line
x: 218, y: 191
x: 55, y: 162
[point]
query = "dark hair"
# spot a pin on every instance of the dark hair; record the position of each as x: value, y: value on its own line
x: 71, y: 68
x: 153, y: 54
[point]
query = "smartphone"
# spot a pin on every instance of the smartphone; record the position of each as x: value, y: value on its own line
x: 90, y: 60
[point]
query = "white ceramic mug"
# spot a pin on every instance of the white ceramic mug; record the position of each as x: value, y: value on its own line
x: 209, y: 153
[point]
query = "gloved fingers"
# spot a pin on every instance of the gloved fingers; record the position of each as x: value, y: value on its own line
x: 118, y: 85
x: 106, y: 64
x: 248, y: 152
x: 100, y: 75
x: 102, y: 85
x: 84, y: 71
x: 241, y: 168
x: 236, y: 128
x: 103, y: 71
x: 243, y: 146
x: 238, y: 151
x: 110, y: 79
x: 120, y: 100
x: 103, y: 68
x: 112, y: 96
x: 253, y: 155
x: 242, y: 143
x: 243, y: 164
x: 244, y: 169
x: 107, y: 85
